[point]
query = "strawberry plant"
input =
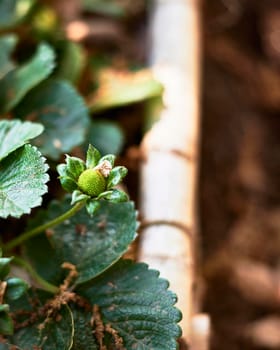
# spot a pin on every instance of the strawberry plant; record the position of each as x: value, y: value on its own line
x: 63, y: 281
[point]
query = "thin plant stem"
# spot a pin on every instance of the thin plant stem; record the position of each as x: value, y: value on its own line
x: 38, y: 279
x: 35, y: 231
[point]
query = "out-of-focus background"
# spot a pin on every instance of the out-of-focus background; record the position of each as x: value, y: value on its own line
x: 240, y: 168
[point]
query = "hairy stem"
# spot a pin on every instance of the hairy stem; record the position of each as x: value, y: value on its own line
x: 35, y: 231
x: 38, y: 279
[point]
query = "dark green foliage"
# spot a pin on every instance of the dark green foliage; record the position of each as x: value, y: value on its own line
x: 83, y: 295
x: 71, y: 61
x: 52, y: 328
x: 91, y: 244
x: 61, y: 110
x: 18, y: 81
x: 136, y: 303
x: 129, y: 304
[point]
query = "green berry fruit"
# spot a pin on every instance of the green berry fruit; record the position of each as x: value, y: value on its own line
x: 92, y: 182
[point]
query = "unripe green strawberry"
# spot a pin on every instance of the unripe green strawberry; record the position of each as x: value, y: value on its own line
x: 92, y: 182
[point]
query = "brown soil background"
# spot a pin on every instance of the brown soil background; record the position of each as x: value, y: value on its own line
x: 239, y: 190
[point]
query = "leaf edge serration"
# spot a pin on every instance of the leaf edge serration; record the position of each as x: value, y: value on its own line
x: 45, y: 178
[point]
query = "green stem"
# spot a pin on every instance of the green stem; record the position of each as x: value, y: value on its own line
x: 35, y: 231
x: 43, y: 283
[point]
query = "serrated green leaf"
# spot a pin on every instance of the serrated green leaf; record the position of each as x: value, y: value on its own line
x: 58, y: 106
x: 5, y: 267
x: 93, y: 157
x: 7, y: 44
x: 13, y: 11
x: 15, y: 84
x: 15, y: 133
x: 116, y: 176
x: 91, y: 244
x: 121, y: 89
x: 137, y: 305
x: 106, y: 136
x: 57, y: 333
x: 16, y: 287
x: 22, y: 181
x: 6, y: 323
